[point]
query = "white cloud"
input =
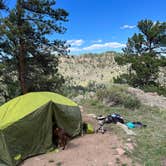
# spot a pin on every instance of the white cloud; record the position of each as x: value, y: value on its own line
x: 75, y: 49
x: 127, y: 27
x: 104, y: 45
x: 75, y: 42
x: 98, y: 46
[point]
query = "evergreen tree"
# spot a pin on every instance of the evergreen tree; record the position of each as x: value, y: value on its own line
x: 144, y: 51
x: 152, y: 38
x: 24, y: 38
x: 9, y: 86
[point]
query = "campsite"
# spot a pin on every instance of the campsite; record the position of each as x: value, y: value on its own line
x: 114, y: 147
x: 82, y: 83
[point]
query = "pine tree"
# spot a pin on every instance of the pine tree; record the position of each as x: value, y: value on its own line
x: 151, y: 39
x: 23, y: 36
x: 144, y: 52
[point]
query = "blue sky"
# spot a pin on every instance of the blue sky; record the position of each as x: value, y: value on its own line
x: 104, y: 25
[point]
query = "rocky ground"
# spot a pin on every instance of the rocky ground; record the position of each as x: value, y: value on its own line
x: 151, y: 99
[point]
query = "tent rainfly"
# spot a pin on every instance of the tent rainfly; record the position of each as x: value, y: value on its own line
x: 26, y: 124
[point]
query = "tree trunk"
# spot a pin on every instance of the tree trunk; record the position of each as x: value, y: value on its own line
x: 21, y: 69
x: 150, y: 47
x: 21, y: 51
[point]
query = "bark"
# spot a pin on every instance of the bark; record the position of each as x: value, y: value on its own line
x: 21, y: 51
x: 21, y: 69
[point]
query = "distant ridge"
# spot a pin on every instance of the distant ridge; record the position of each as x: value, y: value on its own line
x: 86, y: 68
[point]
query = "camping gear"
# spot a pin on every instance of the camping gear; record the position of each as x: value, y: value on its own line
x: 117, y: 118
x: 87, y: 128
x: 101, y: 122
x: 112, y: 118
x: 108, y: 119
x: 26, y: 124
x: 90, y: 128
x: 132, y: 125
x: 139, y: 124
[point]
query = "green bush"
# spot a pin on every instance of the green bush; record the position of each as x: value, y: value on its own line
x: 94, y: 102
x: 93, y: 86
x: 131, y: 102
x: 118, y: 95
x: 73, y: 91
x: 101, y: 94
x: 159, y: 89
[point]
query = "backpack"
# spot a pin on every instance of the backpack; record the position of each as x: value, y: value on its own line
x: 117, y: 118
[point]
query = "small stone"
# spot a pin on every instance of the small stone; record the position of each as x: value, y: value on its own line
x: 129, y: 146
x: 120, y: 151
x: 129, y: 140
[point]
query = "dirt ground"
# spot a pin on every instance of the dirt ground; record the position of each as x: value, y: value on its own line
x: 88, y: 150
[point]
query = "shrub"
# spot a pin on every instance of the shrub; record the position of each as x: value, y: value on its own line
x: 131, y: 102
x: 93, y: 86
x: 118, y: 95
x: 101, y: 94
x: 159, y: 89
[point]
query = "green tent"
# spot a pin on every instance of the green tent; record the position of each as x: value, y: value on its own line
x: 26, y: 124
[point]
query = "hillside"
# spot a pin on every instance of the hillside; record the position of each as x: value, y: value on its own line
x: 98, y: 68
x: 83, y: 69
